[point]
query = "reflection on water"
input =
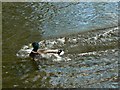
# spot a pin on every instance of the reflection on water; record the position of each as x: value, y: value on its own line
x: 53, y: 19
x: 75, y: 17
x: 24, y: 23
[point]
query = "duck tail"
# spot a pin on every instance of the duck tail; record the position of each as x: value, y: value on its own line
x: 60, y: 52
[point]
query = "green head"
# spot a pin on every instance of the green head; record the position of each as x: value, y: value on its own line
x: 35, y: 46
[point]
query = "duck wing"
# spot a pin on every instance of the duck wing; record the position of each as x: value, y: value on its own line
x: 41, y: 51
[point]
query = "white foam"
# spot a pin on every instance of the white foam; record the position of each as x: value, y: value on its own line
x: 24, y: 52
x: 61, y: 40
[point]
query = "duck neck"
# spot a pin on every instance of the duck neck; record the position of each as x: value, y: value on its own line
x: 35, y: 49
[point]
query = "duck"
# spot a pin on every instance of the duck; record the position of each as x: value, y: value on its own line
x: 44, y: 52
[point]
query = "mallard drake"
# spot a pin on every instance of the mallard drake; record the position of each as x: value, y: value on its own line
x: 43, y: 52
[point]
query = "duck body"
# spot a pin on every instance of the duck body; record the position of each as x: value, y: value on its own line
x: 44, y: 53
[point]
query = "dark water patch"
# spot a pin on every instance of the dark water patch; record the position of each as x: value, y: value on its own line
x: 15, y: 34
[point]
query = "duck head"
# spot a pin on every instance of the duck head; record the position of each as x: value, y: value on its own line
x: 35, y: 46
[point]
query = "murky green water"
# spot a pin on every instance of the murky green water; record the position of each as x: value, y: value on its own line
x: 24, y: 23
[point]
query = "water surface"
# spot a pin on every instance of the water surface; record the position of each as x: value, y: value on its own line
x: 24, y: 23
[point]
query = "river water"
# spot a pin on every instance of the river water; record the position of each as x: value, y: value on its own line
x: 90, y: 34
